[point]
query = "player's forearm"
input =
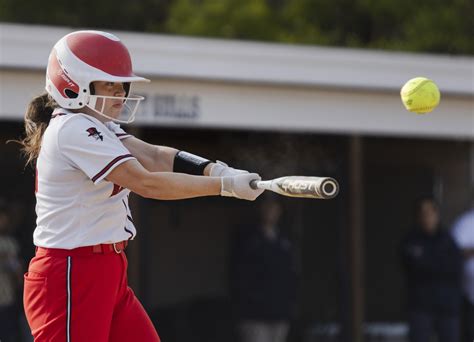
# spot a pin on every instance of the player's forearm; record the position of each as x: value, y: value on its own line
x: 174, y: 186
x: 162, y: 185
x: 157, y: 158
x: 165, y: 160
x: 152, y: 157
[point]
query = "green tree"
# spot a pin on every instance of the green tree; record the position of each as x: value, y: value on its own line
x: 243, y: 19
x: 442, y: 26
x: 137, y: 15
x: 425, y: 25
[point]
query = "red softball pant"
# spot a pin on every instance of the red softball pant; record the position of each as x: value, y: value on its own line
x: 80, y: 296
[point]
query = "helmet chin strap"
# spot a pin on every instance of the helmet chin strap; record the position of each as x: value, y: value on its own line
x: 91, y: 104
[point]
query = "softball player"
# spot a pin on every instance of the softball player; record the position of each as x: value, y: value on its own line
x: 86, y: 165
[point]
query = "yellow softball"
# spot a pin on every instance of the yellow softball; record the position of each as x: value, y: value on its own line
x: 420, y: 95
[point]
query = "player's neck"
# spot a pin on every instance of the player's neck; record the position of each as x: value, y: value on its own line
x: 90, y: 112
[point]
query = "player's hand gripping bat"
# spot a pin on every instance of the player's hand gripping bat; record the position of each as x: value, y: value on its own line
x: 300, y: 186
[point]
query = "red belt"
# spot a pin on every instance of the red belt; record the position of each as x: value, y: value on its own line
x: 116, y: 247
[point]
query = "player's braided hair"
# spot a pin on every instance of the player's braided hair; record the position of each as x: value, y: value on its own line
x: 37, y: 117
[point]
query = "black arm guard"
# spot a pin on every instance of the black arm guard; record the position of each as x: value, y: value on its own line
x: 191, y: 164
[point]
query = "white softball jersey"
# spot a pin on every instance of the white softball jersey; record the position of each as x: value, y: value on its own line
x: 75, y: 205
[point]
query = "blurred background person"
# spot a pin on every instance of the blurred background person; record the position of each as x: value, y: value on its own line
x: 432, y: 264
x: 10, y: 277
x: 463, y: 232
x: 263, y: 278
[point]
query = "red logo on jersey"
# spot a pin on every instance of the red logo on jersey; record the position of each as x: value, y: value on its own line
x: 116, y: 190
x: 93, y: 132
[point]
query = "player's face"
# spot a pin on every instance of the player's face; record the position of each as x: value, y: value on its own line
x: 112, y: 107
x: 428, y: 217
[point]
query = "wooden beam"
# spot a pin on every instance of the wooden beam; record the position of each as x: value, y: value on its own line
x: 356, y: 224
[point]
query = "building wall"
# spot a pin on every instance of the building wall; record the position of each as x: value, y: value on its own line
x: 397, y: 171
x: 250, y: 106
x: 190, y: 239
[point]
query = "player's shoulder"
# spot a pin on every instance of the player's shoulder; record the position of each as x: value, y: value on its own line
x: 77, y: 119
x: 72, y: 122
x: 79, y: 126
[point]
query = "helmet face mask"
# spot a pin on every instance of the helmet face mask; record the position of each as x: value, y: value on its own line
x: 126, y: 113
x: 82, y: 57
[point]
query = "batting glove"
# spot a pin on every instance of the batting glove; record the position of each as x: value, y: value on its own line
x: 239, y: 186
x: 221, y: 169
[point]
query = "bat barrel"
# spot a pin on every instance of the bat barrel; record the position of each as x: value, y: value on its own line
x: 300, y: 186
x: 329, y: 188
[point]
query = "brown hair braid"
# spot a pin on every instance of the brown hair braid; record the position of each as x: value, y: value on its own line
x: 37, y: 117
